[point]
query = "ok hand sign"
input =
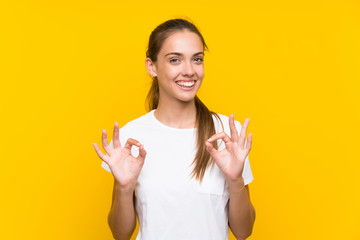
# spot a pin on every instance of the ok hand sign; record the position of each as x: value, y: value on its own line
x: 231, y: 159
x: 124, y: 166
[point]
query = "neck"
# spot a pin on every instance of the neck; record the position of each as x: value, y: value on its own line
x: 177, y: 114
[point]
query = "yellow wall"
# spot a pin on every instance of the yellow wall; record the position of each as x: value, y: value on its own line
x: 69, y: 69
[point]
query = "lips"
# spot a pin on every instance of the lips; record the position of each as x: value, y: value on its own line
x: 186, y: 84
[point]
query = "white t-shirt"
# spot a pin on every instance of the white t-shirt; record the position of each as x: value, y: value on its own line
x: 169, y: 203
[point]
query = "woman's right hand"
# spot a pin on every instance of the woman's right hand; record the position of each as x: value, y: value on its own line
x: 124, y: 166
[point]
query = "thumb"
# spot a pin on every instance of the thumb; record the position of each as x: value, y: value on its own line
x: 142, y: 153
x: 210, y: 148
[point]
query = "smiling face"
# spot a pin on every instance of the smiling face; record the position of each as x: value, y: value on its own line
x: 179, y: 67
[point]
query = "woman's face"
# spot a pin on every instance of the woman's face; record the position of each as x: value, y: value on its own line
x: 179, y: 67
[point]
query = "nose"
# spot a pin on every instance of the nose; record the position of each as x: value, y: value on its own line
x: 188, y: 69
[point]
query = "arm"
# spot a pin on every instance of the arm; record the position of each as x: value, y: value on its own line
x: 231, y: 162
x: 121, y: 218
x: 125, y: 169
x: 241, y: 211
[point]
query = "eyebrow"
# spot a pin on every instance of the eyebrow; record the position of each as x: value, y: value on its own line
x: 180, y: 54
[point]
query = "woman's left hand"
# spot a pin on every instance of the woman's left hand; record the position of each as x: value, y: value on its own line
x: 231, y: 159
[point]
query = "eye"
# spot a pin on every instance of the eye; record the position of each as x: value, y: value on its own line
x: 199, y: 60
x: 173, y: 60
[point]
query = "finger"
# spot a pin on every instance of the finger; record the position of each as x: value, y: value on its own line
x: 99, y: 153
x: 130, y: 142
x: 243, y: 132
x: 233, y: 131
x: 116, y: 139
x: 142, y: 153
x: 249, y: 141
x: 210, y: 148
x: 105, y: 144
x: 221, y: 135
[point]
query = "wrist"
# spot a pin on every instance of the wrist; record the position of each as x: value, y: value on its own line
x: 235, y: 185
x: 125, y: 188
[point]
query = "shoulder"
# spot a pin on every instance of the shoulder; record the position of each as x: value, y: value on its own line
x: 137, y: 123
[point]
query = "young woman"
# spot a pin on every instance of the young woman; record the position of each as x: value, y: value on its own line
x: 181, y: 169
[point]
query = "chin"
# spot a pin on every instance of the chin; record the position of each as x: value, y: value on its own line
x: 187, y: 99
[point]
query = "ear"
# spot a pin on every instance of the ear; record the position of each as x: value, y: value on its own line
x: 150, y: 67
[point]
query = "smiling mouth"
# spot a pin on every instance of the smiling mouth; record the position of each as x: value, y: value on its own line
x: 186, y: 84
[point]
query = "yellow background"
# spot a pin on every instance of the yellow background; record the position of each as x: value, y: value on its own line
x: 69, y: 69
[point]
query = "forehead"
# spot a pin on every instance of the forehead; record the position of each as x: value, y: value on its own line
x: 183, y: 42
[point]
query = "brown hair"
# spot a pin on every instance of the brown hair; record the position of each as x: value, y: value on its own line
x: 203, y: 114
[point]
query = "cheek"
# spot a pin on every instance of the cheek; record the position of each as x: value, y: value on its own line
x: 200, y: 71
x: 172, y: 72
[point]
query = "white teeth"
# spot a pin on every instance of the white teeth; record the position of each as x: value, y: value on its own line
x: 186, y: 84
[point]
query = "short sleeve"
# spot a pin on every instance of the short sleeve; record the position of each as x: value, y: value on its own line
x: 104, y: 164
x: 247, y: 174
